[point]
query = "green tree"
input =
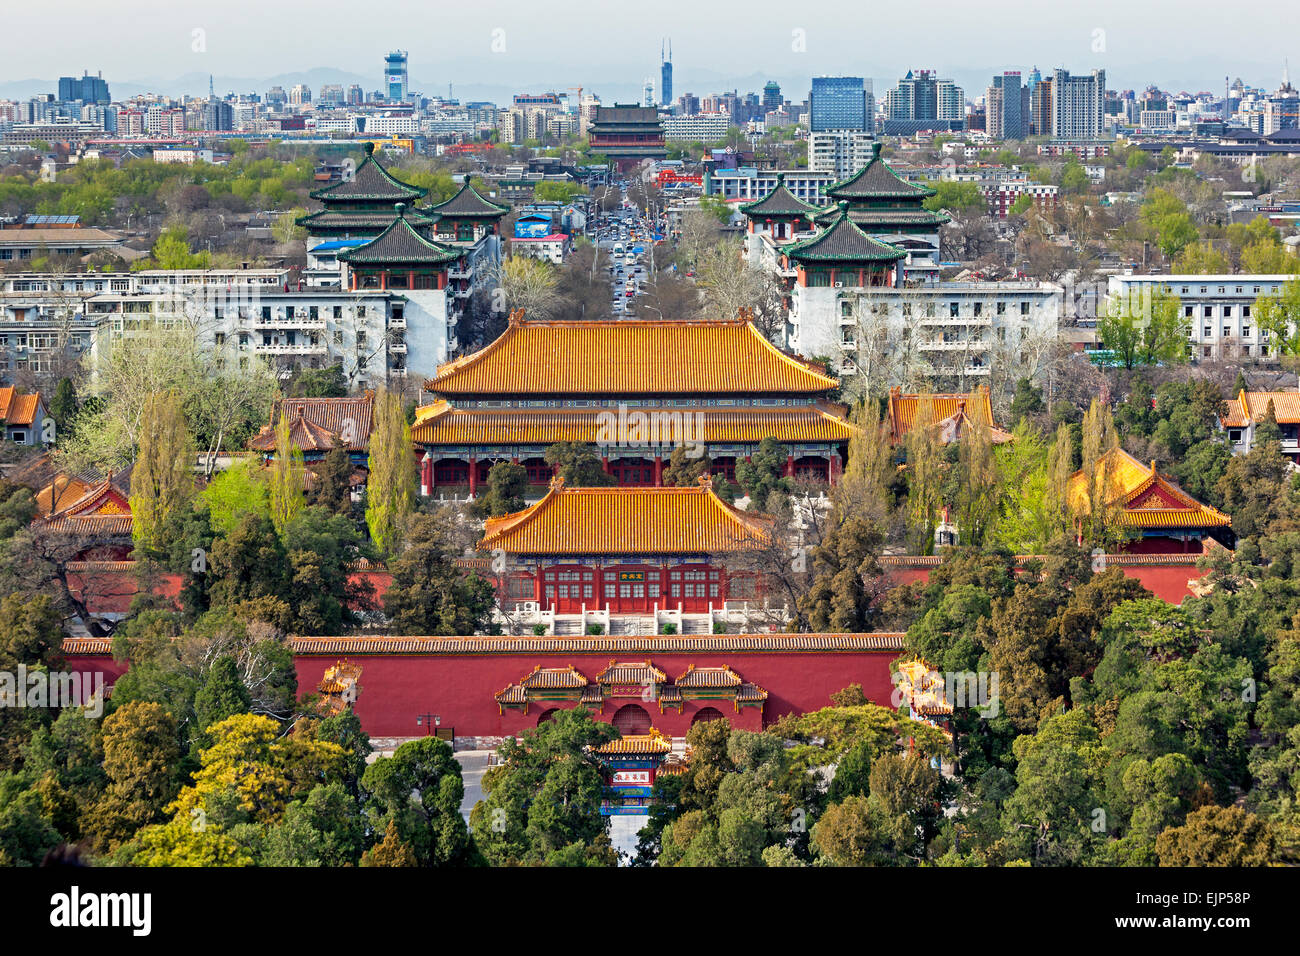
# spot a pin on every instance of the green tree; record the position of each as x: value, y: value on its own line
x: 507, y: 486
x: 763, y: 474
x: 419, y: 790
x: 287, y: 482
x: 141, y: 756
x: 578, y: 464
x: 162, y: 481
x: 390, y: 489
x: 428, y: 593
x: 1217, y: 836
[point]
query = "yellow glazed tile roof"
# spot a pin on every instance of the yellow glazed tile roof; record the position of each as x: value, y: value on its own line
x: 628, y: 357
x: 626, y: 521
x: 630, y: 672
x: 651, y: 743
x: 1168, y: 506
x: 442, y: 424
x: 1253, y: 406
x: 722, y: 676
x: 973, y: 407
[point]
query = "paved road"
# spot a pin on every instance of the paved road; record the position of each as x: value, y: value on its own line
x: 472, y: 765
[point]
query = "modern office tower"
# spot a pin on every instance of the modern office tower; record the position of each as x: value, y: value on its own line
x: 1007, y: 107
x: 1040, y: 108
x: 666, y: 75
x: 87, y: 88
x: 838, y: 102
x: 772, y: 96
x: 396, y: 77
x: 1078, y: 105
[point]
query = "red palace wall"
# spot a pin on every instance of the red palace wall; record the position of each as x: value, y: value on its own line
x: 1168, y: 577
x: 397, y: 688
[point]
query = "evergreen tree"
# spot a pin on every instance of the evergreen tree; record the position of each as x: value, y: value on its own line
x: 507, y: 486
x: 334, y: 481
x: 222, y: 695
x: 428, y: 593
x: 579, y: 465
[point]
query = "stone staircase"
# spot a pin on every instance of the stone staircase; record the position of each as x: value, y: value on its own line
x: 697, y: 624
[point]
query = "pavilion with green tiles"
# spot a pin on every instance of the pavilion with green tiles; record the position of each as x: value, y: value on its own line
x: 780, y: 213
x: 466, y: 217
x: 400, y: 257
x: 842, y: 253
x: 362, y: 206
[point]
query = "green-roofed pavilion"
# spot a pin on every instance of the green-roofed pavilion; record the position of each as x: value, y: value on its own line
x: 362, y: 205
x: 400, y: 258
x: 466, y: 216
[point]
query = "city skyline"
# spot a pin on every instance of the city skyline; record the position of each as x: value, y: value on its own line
x: 517, y: 53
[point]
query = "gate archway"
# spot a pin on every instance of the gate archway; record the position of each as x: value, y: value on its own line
x: 631, y: 719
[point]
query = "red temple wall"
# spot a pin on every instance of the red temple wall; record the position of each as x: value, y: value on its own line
x: 396, y: 689
x: 1169, y: 582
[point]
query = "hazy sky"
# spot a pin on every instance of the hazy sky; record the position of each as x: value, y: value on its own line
x: 532, y: 44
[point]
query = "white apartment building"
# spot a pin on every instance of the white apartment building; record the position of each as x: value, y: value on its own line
x: 748, y: 184
x: 953, y: 330
x: 1217, y: 309
x: 700, y: 128
x: 841, y: 153
x: 1078, y: 105
x: 372, y: 334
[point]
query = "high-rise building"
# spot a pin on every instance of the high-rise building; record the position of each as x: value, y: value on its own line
x: 772, y: 96
x: 666, y: 75
x: 1006, y: 106
x: 1040, y: 108
x: 949, y: 101
x: 841, y: 153
x: 1078, y: 105
x: 355, y: 95
x: 838, y: 102
x: 1282, y: 109
x: 923, y: 101
x: 396, y: 78
x: 86, y: 88
x: 218, y: 115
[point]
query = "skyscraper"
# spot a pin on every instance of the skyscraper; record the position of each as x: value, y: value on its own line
x: 1078, y: 105
x: 838, y: 102
x: 87, y: 88
x: 1007, y: 107
x: 396, y: 78
x: 771, y: 96
x: 666, y: 75
x: 923, y: 101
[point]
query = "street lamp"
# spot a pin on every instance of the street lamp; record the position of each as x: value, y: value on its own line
x: 424, y: 720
